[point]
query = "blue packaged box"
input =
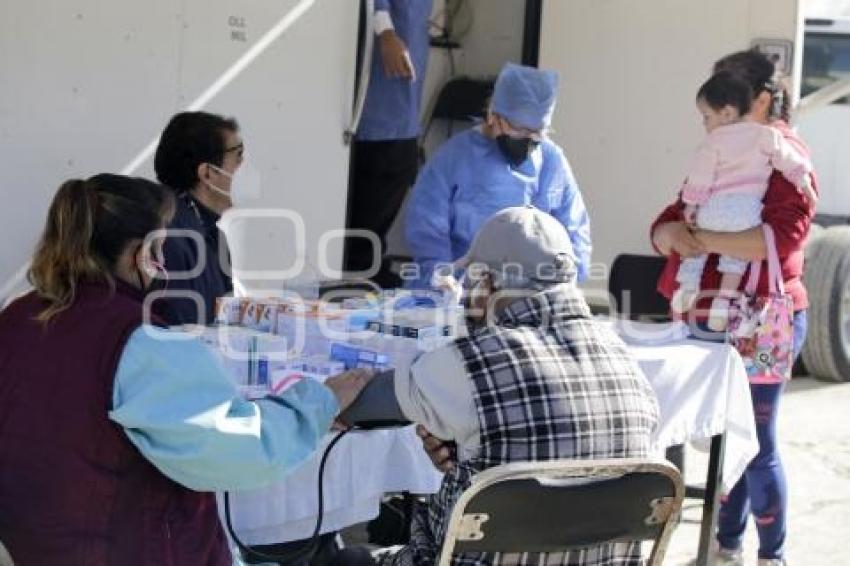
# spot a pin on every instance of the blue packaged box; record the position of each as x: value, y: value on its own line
x: 356, y: 357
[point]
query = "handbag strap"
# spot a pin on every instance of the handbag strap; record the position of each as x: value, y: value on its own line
x: 774, y: 275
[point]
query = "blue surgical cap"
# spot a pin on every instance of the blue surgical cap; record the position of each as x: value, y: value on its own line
x: 525, y: 96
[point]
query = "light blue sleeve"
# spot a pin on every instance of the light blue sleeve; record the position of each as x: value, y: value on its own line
x: 180, y: 409
x: 572, y: 213
x: 428, y: 223
x: 382, y: 5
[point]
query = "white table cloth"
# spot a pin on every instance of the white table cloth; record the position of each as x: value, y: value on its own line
x: 702, y: 391
x: 360, y: 469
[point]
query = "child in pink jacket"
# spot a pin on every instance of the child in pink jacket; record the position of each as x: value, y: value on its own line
x: 727, y: 182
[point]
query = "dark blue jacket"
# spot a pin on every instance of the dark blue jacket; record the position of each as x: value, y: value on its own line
x: 182, y: 255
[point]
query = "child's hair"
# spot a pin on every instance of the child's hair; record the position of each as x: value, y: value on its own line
x: 758, y: 71
x: 725, y: 89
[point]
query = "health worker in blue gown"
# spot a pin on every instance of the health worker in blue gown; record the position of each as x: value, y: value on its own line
x: 506, y: 161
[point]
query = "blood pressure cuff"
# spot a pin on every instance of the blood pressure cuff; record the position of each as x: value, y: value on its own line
x: 376, y: 406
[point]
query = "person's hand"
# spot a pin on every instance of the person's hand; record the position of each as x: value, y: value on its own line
x: 448, y: 282
x: 808, y: 190
x: 439, y: 451
x: 347, y: 386
x: 677, y: 237
x: 395, y: 56
x: 690, y: 214
x: 449, y: 286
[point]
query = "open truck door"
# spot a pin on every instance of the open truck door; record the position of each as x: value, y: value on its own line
x: 92, y: 84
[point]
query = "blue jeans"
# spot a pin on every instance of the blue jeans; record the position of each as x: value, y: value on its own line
x: 762, y: 489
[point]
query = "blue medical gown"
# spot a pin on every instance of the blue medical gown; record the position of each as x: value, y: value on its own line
x: 179, y: 407
x: 392, y: 107
x: 468, y: 180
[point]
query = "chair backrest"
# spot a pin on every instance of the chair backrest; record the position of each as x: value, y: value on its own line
x: 564, y: 505
x: 461, y: 99
x: 632, y: 286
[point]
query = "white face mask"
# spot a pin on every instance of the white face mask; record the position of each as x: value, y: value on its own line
x: 245, y: 183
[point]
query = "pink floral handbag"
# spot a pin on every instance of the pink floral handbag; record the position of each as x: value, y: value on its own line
x: 762, y: 328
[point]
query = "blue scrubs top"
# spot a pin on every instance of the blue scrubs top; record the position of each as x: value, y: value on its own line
x: 468, y: 180
x: 393, y: 105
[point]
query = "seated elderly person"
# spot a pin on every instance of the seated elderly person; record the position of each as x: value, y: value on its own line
x: 537, y: 379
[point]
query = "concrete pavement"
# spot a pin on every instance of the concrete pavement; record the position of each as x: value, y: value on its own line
x: 814, y: 434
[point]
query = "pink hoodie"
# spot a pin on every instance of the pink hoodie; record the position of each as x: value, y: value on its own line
x: 739, y: 158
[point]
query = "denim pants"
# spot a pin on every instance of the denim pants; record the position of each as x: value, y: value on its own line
x: 762, y: 489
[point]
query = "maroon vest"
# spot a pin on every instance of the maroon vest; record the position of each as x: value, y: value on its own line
x: 73, y: 489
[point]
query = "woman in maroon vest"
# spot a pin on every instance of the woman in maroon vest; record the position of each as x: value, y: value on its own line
x: 113, y: 432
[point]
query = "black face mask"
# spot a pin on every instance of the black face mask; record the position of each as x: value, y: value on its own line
x: 516, y: 150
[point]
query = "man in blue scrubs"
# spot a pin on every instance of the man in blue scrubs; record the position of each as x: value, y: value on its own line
x: 385, y: 153
x: 507, y: 161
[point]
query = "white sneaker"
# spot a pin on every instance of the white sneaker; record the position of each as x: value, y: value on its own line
x: 718, y: 316
x: 728, y: 557
x: 722, y: 556
x: 683, y: 300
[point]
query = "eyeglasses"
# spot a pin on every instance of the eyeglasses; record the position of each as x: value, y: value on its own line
x: 239, y: 148
x: 520, y: 132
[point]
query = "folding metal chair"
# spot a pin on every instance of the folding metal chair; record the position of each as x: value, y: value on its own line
x: 564, y: 505
x: 632, y: 286
x: 461, y: 100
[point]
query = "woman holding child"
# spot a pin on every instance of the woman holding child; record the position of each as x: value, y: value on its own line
x: 787, y: 208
